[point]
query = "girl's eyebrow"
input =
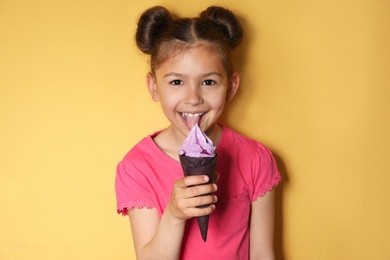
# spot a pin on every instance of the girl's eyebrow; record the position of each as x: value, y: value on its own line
x: 175, y: 74
x: 212, y: 74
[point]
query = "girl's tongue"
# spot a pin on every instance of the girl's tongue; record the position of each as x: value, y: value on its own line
x: 191, y: 120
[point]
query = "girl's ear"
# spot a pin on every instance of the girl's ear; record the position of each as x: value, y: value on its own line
x: 152, y: 87
x: 234, y: 83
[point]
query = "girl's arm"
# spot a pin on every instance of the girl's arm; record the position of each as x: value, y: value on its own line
x: 156, y: 238
x: 262, y: 228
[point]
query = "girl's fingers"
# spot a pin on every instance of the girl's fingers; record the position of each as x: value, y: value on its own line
x: 202, y: 201
x: 197, y: 202
x: 192, y: 196
x: 200, y: 190
x: 198, y: 212
x: 195, y: 180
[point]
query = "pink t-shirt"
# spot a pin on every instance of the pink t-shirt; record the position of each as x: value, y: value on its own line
x: 247, y: 171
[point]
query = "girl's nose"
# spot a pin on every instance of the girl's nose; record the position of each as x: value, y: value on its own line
x: 193, y: 97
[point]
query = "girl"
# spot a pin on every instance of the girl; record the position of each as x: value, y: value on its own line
x: 192, y: 77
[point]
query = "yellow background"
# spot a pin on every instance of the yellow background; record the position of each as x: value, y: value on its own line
x: 316, y: 78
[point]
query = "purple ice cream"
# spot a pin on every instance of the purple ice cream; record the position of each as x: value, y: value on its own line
x: 197, y: 144
x: 198, y: 157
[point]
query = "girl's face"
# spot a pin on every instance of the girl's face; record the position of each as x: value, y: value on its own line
x: 192, y: 88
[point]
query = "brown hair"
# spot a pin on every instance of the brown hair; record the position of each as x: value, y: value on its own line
x: 161, y: 36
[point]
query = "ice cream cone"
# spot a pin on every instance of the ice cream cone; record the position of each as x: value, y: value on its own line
x: 200, y: 166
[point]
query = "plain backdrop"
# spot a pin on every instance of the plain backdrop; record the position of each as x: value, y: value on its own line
x: 315, y: 90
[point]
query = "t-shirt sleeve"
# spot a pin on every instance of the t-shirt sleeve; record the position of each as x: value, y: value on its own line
x: 132, y: 189
x: 265, y: 172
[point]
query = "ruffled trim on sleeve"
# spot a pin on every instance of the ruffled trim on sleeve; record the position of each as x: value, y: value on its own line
x: 269, y: 187
x: 122, y: 208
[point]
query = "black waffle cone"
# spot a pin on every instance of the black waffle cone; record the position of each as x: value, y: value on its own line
x: 200, y: 166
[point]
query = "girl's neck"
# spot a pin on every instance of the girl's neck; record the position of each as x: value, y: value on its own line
x: 170, y: 141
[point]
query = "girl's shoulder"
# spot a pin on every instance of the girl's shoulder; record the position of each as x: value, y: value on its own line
x: 229, y: 132
x: 144, y: 145
x: 231, y: 137
x: 145, y: 151
x: 234, y: 141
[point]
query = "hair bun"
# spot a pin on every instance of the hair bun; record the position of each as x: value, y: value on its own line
x: 227, y: 21
x: 150, y: 24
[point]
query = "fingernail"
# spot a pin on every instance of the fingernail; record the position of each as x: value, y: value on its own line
x: 215, y: 187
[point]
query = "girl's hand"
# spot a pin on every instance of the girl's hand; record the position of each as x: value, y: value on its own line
x: 190, y: 192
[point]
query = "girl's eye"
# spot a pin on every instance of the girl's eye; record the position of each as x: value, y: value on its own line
x: 176, y: 82
x: 209, y: 82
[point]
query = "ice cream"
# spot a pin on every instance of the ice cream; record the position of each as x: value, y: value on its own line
x: 198, y: 157
x: 197, y: 144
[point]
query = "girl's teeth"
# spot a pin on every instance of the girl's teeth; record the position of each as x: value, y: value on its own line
x: 188, y: 114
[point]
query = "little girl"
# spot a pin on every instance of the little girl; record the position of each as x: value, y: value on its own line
x: 192, y: 76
